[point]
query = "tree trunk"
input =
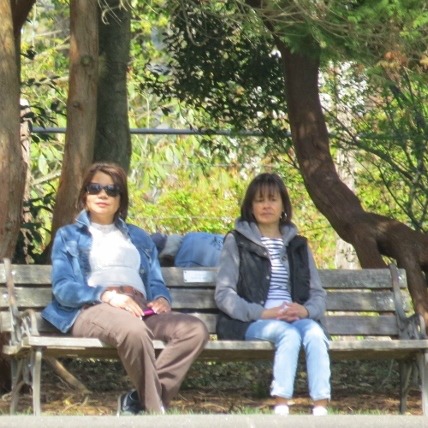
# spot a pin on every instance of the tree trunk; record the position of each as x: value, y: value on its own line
x: 20, y: 11
x: 113, y: 139
x: 81, y: 108
x: 12, y: 167
x: 22, y: 251
x: 12, y: 164
x: 373, y: 236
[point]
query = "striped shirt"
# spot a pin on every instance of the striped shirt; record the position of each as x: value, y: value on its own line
x: 278, y: 289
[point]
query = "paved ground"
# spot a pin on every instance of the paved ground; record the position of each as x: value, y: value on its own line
x: 216, y: 421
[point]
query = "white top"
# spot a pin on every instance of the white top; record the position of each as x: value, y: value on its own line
x: 113, y: 258
x: 278, y: 290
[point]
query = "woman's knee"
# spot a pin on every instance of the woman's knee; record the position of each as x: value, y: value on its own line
x: 195, y: 328
x: 274, y: 331
x: 201, y: 331
x: 316, y: 336
x: 317, y: 330
x: 292, y: 335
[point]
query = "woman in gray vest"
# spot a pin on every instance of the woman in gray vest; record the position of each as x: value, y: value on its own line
x: 268, y: 288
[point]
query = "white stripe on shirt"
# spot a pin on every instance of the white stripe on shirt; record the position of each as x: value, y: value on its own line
x: 278, y: 289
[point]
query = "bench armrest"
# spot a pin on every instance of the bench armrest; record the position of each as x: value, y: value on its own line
x: 412, y: 327
x: 23, y: 323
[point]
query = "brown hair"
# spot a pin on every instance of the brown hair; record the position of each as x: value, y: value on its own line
x: 266, y: 182
x: 118, y: 175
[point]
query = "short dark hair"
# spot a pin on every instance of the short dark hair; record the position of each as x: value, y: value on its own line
x: 269, y: 182
x: 118, y: 175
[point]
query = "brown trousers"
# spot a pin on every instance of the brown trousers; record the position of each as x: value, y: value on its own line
x: 157, y: 380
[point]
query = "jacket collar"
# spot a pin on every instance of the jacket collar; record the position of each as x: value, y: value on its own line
x: 252, y: 232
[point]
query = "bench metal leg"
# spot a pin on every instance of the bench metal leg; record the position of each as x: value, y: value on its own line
x: 27, y: 371
x: 414, y: 373
x: 36, y: 371
x: 406, y: 370
x: 422, y: 360
x: 18, y: 382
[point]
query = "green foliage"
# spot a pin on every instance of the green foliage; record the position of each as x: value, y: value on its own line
x: 233, y: 80
x: 44, y: 71
x: 386, y: 133
x: 34, y: 233
x: 400, y: 157
x: 149, y: 20
x: 46, y: 154
x: 180, y: 189
x: 361, y: 30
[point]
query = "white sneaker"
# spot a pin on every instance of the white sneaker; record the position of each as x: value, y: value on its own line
x: 281, y: 409
x: 319, y: 411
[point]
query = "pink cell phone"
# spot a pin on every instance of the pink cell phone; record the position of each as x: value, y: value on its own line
x: 148, y: 312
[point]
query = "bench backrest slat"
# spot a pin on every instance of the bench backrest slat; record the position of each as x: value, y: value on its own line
x: 337, y: 326
x: 197, y: 277
x: 28, y: 274
x: 331, y: 278
x: 358, y: 325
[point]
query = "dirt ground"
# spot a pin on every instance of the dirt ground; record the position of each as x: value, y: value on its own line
x: 358, y: 388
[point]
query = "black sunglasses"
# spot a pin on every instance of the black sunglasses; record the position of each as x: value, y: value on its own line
x: 95, y: 188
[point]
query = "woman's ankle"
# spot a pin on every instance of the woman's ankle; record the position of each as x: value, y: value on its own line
x: 281, y: 406
x: 320, y: 408
x: 281, y: 410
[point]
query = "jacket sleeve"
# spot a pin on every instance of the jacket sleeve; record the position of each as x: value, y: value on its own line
x: 69, y: 285
x: 316, y: 304
x: 226, y: 296
x: 156, y: 287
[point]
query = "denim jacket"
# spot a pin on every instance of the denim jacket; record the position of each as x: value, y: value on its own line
x: 71, y: 268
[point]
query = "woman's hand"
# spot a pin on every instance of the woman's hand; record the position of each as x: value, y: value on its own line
x: 292, y: 312
x: 286, y: 312
x: 160, y: 305
x: 271, y: 313
x: 123, y: 301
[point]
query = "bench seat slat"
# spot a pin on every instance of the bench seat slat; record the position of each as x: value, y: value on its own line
x: 234, y: 350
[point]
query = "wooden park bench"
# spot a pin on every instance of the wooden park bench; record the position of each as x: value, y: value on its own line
x: 366, y: 318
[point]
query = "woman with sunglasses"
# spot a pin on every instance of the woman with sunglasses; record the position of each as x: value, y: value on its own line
x: 107, y: 284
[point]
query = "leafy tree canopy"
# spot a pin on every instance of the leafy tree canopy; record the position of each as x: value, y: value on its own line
x: 362, y: 30
x: 233, y: 78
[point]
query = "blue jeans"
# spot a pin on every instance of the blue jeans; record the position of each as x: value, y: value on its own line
x: 288, y: 339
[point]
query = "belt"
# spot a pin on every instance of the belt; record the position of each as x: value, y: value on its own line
x: 127, y: 289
